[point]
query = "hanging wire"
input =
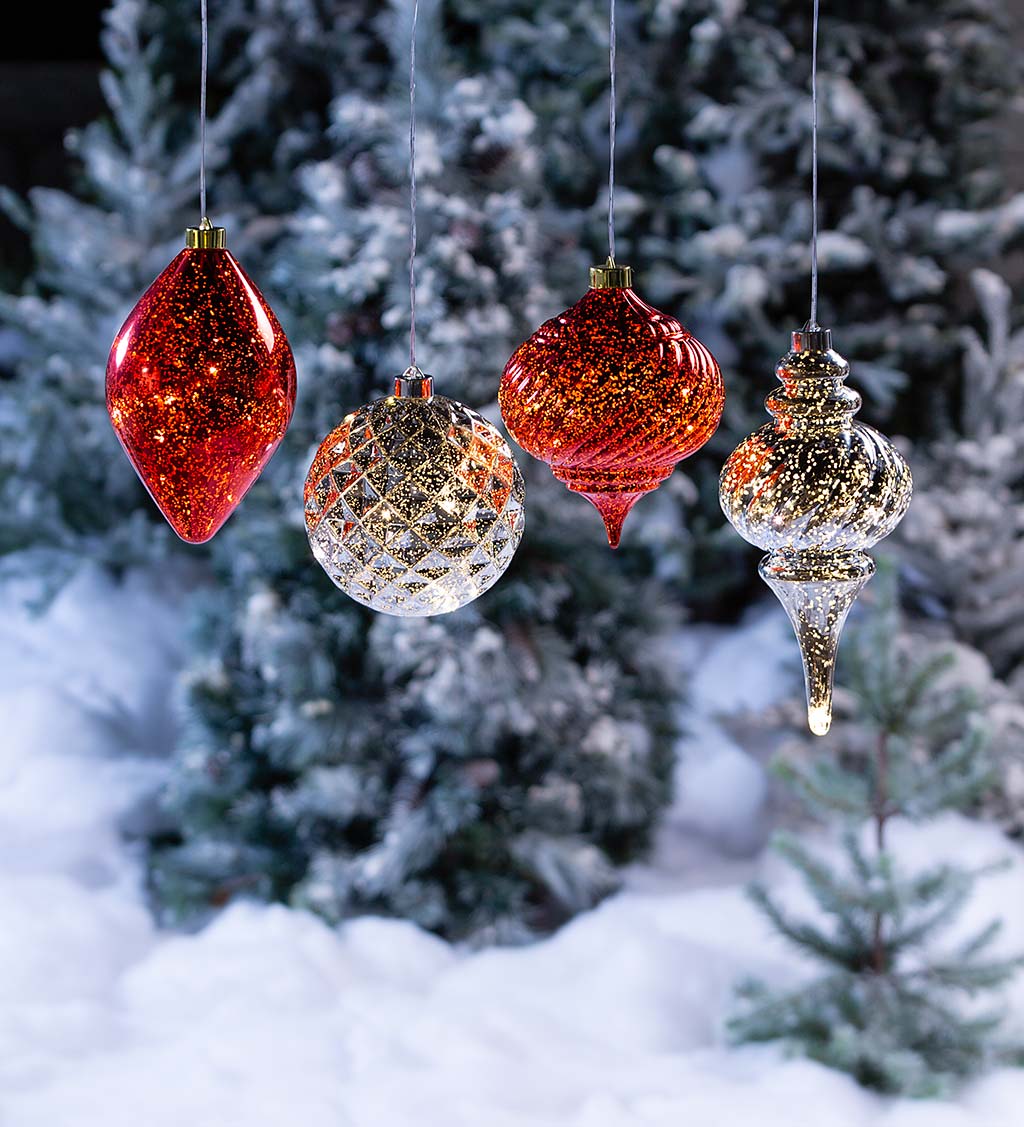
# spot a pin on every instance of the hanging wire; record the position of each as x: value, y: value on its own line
x: 611, y: 132
x: 202, y: 111
x: 412, y: 185
x: 814, y: 167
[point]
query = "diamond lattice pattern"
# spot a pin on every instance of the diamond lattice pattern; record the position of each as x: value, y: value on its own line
x: 414, y: 506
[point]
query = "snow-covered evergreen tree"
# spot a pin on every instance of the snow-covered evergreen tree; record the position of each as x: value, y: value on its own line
x: 964, y: 545
x: 481, y: 773
x: 890, y: 1004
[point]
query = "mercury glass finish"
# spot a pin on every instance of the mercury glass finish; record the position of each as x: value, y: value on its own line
x: 815, y: 489
x: 612, y: 394
x: 414, y: 503
x: 200, y: 386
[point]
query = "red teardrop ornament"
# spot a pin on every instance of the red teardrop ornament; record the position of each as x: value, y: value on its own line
x: 200, y: 387
x: 611, y: 394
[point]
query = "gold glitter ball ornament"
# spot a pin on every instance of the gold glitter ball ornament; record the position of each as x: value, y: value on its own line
x: 814, y: 489
x: 414, y: 503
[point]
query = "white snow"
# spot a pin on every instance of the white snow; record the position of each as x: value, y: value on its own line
x: 268, y: 1018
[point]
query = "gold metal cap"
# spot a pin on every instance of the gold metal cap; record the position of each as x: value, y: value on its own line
x: 611, y: 277
x: 206, y: 236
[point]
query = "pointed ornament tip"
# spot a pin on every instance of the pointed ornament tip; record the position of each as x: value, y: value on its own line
x: 614, y: 508
x: 819, y: 718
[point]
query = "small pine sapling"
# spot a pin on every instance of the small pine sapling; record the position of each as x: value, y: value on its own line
x: 888, y: 1007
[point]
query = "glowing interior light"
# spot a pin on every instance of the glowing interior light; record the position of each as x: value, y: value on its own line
x: 815, y: 497
x: 819, y: 719
x: 414, y: 537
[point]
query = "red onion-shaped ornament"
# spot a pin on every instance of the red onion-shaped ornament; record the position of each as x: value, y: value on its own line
x: 200, y: 385
x: 612, y: 394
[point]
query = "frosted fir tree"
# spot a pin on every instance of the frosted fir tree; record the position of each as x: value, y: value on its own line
x: 964, y: 543
x: 896, y: 1004
x: 483, y: 773
x: 963, y: 547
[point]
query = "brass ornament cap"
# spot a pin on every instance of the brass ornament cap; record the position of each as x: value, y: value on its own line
x: 414, y: 503
x: 611, y: 277
x: 815, y: 490
x: 206, y: 236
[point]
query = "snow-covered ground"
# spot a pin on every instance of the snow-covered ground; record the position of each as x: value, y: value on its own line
x: 268, y: 1018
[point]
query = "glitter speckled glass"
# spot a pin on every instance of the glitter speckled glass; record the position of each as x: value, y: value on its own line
x: 414, y: 503
x: 815, y: 489
x: 612, y: 395
x: 200, y: 388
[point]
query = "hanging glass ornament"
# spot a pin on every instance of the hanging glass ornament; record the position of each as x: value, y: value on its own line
x: 200, y: 385
x: 200, y: 377
x: 612, y: 394
x: 815, y: 489
x: 414, y: 503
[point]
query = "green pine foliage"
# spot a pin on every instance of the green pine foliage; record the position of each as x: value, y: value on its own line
x: 894, y: 1005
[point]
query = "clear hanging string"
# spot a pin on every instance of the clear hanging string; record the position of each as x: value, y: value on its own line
x: 611, y: 132
x: 412, y: 185
x: 202, y: 110
x: 814, y: 168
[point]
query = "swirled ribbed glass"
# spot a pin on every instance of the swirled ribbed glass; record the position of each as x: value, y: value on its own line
x: 612, y: 394
x: 815, y: 489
